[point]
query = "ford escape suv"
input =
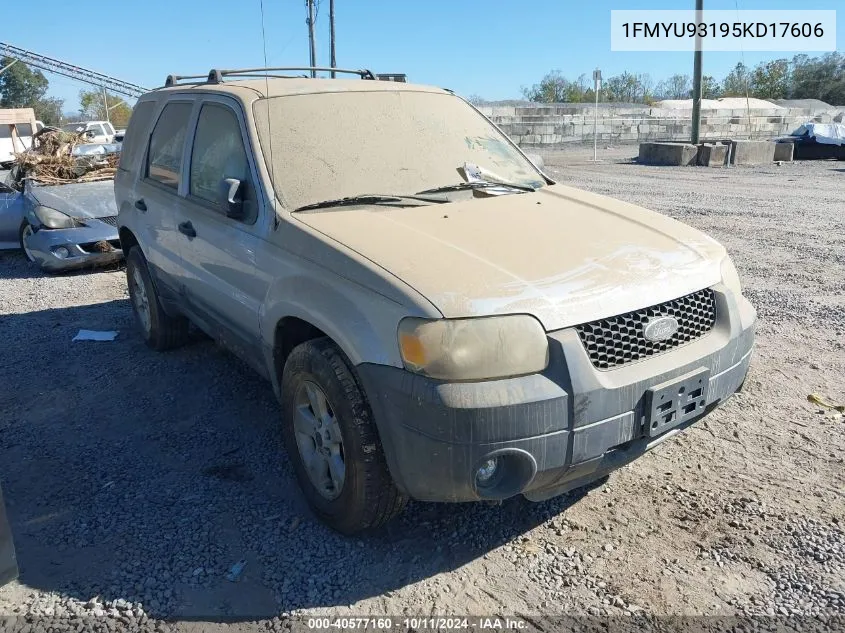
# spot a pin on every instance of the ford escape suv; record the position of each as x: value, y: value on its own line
x: 437, y: 317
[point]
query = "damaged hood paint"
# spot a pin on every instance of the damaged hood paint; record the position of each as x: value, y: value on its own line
x: 78, y: 200
x: 561, y: 254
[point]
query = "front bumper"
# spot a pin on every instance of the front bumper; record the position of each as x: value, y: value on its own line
x: 87, y: 247
x: 552, y: 432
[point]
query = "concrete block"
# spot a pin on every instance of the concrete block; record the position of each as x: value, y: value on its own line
x: 668, y: 154
x: 784, y: 151
x: 752, y: 152
x: 712, y: 155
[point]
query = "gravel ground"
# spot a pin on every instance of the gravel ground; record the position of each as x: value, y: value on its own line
x: 135, y: 480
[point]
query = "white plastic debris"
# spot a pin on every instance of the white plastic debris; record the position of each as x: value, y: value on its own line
x: 235, y: 571
x: 95, y: 335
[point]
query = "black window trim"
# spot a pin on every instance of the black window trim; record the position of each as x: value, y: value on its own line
x: 213, y: 209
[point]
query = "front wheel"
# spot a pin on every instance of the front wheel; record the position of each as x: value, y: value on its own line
x: 160, y: 330
x: 24, y: 234
x: 330, y: 436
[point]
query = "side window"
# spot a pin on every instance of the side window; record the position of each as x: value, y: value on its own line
x: 109, y: 128
x: 134, y: 143
x: 164, y: 161
x: 219, y: 153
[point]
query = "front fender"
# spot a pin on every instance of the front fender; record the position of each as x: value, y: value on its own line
x: 360, y: 321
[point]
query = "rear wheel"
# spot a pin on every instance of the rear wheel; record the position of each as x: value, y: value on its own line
x: 24, y: 234
x: 160, y: 330
x: 330, y: 436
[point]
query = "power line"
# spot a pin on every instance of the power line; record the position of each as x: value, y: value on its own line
x: 59, y: 67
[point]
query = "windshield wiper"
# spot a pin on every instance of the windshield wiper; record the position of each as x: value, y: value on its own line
x: 477, y: 184
x: 368, y: 199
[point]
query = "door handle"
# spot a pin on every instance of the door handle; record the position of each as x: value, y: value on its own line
x: 141, y: 205
x: 186, y: 228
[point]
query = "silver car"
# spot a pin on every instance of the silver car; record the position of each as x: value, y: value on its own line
x: 60, y: 227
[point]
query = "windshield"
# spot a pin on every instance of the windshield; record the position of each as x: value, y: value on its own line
x: 74, y: 128
x: 334, y: 145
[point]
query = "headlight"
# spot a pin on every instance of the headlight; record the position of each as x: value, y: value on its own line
x: 53, y: 219
x: 730, y: 277
x: 474, y: 349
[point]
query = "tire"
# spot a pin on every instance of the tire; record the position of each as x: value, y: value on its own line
x: 159, y: 330
x: 24, y: 231
x: 368, y: 497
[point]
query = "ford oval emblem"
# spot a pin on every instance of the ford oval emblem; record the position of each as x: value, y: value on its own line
x: 660, y: 328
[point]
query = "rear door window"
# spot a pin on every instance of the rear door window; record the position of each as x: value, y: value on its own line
x: 164, y: 160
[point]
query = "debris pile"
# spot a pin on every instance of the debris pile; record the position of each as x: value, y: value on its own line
x: 52, y: 160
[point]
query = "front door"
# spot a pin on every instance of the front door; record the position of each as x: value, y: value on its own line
x: 8, y: 562
x: 222, y: 288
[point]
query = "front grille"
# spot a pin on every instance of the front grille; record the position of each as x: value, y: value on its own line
x: 111, y: 220
x: 621, y: 339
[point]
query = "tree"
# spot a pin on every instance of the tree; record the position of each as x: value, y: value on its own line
x: 710, y: 88
x: 676, y: 87
x: 554, y: 88
x: 20, y: 87
x: 92, y: 107
x: 736, y: 84
x: 627, y: 87
x: 771, y: 80
x: 819, y: 78
x: 476, y: 100
x: 49, y: 110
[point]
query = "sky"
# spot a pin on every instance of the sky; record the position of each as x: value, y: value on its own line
x: 490, y: 49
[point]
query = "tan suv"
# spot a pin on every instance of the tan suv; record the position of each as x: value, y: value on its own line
x: 438, y: 318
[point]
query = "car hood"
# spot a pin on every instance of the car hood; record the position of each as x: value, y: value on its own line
x: 561, y: 254
x: 78, y: 200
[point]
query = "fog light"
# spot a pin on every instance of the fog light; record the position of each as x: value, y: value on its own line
x: 486, y: 471
x: 61, y: 252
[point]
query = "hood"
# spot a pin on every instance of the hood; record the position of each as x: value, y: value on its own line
x: 561, y: 254
x: 78, y: 200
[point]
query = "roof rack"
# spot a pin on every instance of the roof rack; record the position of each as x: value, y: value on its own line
x: 215, y: 75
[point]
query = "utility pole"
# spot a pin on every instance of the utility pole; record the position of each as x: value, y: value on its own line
x: 311, y: 37
x: 106, y: 104
x: 696, y: 76
x: 15, y: 61
x: 596, y: 90
x: 331, y: 23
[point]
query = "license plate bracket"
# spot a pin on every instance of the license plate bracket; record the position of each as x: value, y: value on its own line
x: 676, y: 401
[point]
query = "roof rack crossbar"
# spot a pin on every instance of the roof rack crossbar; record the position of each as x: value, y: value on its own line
x: 216, y: 75
x: 172, y: 80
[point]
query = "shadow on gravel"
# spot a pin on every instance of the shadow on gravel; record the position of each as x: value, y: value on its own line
x: 140, y: 476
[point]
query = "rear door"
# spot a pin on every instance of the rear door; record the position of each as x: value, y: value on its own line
x: 222, y: 288
x: 8, y: 562
x: 156, y: 196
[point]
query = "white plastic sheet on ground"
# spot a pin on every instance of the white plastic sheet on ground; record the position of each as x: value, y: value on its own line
x: 95, y: 335
x: 824, y: 133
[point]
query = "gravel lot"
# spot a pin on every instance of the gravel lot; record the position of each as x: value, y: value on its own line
x: 135, y: 480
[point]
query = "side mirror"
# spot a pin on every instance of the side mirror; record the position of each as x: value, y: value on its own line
x: 232, y: 194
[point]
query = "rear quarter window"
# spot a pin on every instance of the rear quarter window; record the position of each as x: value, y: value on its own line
x: 137, y: 133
